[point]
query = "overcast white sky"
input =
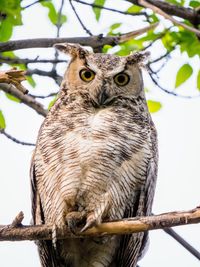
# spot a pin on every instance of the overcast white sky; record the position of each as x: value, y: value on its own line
x: 179, y: 145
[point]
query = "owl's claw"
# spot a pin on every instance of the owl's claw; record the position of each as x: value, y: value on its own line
x: 73, y: 219
x: 91, y: 221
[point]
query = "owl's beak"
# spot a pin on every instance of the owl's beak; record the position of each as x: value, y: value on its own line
x: 102, y: 97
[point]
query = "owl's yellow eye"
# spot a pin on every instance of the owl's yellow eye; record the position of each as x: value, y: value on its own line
x: 121, y: 79
x: 87, y: 75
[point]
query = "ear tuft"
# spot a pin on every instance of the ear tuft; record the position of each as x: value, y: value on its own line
x: 73, y: 50
x: 138, y: 58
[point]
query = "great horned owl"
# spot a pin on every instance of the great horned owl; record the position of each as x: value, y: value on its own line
x: 95, y: 159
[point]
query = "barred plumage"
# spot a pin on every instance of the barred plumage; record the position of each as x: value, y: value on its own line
x: 95, y: 160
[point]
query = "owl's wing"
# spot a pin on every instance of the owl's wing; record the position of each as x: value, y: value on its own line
x: 132, y: 246
x: 48, y: 255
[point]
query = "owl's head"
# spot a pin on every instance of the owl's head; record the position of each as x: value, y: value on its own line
x: 104, y: 76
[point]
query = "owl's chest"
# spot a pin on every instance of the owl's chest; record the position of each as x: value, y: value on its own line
x: 104, y: 134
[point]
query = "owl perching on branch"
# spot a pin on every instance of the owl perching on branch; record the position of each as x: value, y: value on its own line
x: 95, y: 160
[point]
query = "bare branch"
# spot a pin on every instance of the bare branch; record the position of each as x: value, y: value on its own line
x: 165, y: 15
x: 27, y: 100
x: 79, y: 19
x: 183, y: 242
x: 43, y: 96
x: 129, y: 35
x: 18, y: 219
x: 166, y: 90
x: 125, y: 226
x: 93, y: 41
x: 112, y: 9
x: 36, y: 2
x: 2, y: 131
x: 25, y: 61
x: 189, y: 14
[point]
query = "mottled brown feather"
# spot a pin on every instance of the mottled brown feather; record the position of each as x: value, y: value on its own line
x: 95, y: 160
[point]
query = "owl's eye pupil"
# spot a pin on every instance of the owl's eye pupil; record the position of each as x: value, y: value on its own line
x: 87, y: 75
x: 121, y: 79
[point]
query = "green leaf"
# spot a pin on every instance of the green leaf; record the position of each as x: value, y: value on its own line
x: 52, y: 11
x: 11, y: 97
x: 134, y: 9
x: 198, y: 80
x: 113, y: 28
x: 31, y: 81
x: 6, y: 28
x: 2, y: 121
x: 97, y: 11
x: 154, y: 106
x: 194, y: 4
x: 53, y: 14
x: 183, y: 74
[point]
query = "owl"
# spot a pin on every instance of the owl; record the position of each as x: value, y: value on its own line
x: 95, y: 160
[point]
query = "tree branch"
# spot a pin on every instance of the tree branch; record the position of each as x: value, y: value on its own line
x: 79, y: 19
x: 189, y: 14
x: 151, y: 72
x: 28, y: 60
x: 183, y: 242
x: 125, y: 226
x: 93, y: 41
x: 167, y: 16
x: 36, y: 2
x: 112, y: 9
x: 26, y: 99
x: 43, y: 96
x: 2, y: 131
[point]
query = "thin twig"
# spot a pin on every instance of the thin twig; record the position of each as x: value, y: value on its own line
x: 183, y: 242
x: 130, y: 35
x: 166, y: 16
x: 18, y: 219
x: 125, y: 226
x: 36, y: 2
x: 167, y: 90
x: 79, y: 19
x: 43, y: 96
x: 160, y: 58
x: 112, y: 9
x: 27, y: 100
x: 2, y: 131
x: 58, y: 25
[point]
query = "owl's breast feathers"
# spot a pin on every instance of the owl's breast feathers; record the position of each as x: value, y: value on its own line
x: 92, y: 160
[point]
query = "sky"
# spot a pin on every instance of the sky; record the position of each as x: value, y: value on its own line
x: 178, y: 129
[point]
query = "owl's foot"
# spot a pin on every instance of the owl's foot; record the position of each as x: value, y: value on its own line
x: 98, y: 213
x: 91, y: 221
x: 75, y: 219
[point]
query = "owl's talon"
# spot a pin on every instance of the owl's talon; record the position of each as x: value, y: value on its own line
x: 73, y: 219
x: 91, y: 221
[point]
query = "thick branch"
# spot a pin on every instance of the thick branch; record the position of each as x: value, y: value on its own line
x: 26, y: 99
x: 189, y: 14
x: 93, y: 41
x: 18, y: 60
x: 167, y: 16
x: 125, y: 226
